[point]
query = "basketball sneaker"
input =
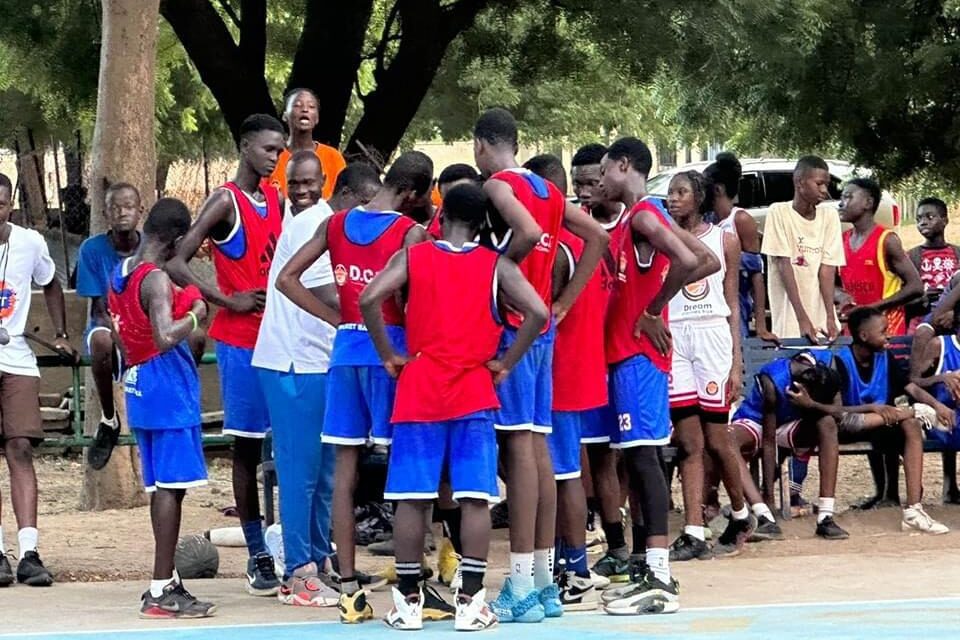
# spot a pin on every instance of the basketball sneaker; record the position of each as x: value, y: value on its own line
x: 612, y: 568
x: 108, y: 434
x: 31, y: 572
x: 686, y: 547
x: 599, y: 582
x: 731, y: 541
x: 830, y: 530
x: 307, y: 591
x: 916, y: 519
x: 407, y: 612
x: 354, y: 608
x: 262, y: 575
x: 174, y: 602
x: 550, y: 599
x: 6, y: 572
x: 648, y: 595
x: 448, y: 565
x: 576, y: 593
x: 766, y: 529
x: 473, y: 613
x: 435, y: 607
x: 508, y: 607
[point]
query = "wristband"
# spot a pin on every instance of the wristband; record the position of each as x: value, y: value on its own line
x: 193, y: 316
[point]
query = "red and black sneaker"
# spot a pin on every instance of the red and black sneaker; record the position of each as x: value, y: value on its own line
x: 175, y: 602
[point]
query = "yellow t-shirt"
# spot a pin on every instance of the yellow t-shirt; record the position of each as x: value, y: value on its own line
x: 809, y: 244
x: 330, y: 159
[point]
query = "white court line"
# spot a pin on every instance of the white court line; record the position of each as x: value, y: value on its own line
x: 725, y: 607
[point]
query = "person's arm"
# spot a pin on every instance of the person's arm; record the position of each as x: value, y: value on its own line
x: 525, y: 232
x: 900, y: 264
x: 923, y: 360
x: 562, y: 268
x: 385, y: 284
x: 682, y: 262
x: 731, y: 292
x: 155, y: 293
x: 828, y: 283
x: 53, y: 296
x: 595, y: 241
x: 216, y: 212
x: 784, y: 267
x: 749, y: 234
x: 770, y: 463
x: 288, y: 280
x: 521, y: 296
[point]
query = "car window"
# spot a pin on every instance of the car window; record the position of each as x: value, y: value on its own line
x: 751, y: 191
x: 777, y: 186
x: 835, y: 187
x: 659, y: 184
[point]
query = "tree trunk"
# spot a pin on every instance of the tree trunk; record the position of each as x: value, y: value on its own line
x: 123, y: 149
x: 33, y: 200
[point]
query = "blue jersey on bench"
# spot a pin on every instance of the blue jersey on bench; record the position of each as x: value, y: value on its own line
x: 856, y: 391
x: 949, y: 361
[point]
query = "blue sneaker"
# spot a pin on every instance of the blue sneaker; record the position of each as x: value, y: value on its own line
x: 550, y: 599
x: 509, y: 608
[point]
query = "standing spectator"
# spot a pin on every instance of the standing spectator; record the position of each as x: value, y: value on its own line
x: 936, y: 260
x: 301, y: 112
x: 802, y: 239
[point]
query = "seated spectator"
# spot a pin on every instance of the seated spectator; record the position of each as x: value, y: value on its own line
x: 935, y: 259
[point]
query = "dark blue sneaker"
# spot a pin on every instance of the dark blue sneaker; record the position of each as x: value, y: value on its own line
x: 262, y: 576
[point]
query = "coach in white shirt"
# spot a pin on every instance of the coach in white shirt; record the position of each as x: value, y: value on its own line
x: 292, y: 356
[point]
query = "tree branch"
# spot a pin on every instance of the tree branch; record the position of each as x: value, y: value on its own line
x: 228, y: 9
x: 253, y: 34
x: 380, y: 52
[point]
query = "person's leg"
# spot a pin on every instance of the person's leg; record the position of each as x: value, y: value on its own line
x: 951, y: 493
x: 165, y: 512
x: 101, y: 345
x: 23, y: 495
x: 523, y: 488
x: 546, y: 525
x: 344, y: 484
x: 247, y: 453
x: 688, y: 434
x: 891, y: 461
x: 878, y: 471
x: 914, y: 516
x: 822, y: 434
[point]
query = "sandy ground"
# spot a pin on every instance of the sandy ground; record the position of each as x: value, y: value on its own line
x: 117, y: 545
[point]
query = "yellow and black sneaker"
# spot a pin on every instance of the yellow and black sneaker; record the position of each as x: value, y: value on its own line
x: 354, y: 608
x: 434, y: 607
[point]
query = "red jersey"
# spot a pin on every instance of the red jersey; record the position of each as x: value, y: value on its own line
x: 130, y: 320
x: 435, y: 226
x: 546, y: 204
x: 579, y: 364
x: 242, y: 261
x: 867, y: 278
x: 636, y: 286
x: 451, y: 333
x: 608, y: 265
x: 936, y: 266
x: 360, y: 243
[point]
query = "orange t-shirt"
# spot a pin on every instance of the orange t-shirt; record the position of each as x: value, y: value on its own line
x: 330, y: 159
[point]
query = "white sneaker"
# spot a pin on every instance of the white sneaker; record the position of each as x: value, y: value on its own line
x: 407, y: 612
x: 599, y: 582
x: 916, y: 519
x: 927, y: 416
x: 457, y: 581
x: 473, y: 614
x: 577, y: 594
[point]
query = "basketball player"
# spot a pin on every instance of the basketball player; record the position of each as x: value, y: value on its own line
x: 242, y: 219
x: 450, y: 177
x: 360, y: 242
x: 152, y: 320
x: 655, y: 259
x: 445, y: 393
x: 529, y: 213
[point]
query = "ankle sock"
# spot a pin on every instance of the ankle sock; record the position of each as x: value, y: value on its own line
x: 825, y: 509
x: 576, y: 560
x: 542, y: 568
x: 659, y: 562
x: 761, y: 510
x: 473, y: 571
x: 695, y: 531
x: 613, y: 531
x: 27, y: 539
x: 521, y: 573
x: 639, y: 534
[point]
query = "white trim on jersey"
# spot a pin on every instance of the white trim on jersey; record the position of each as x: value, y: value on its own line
x: 239, y: 433
x: 572, y: 475
x: 237, y: 222
x: 175, y: 485
x: 525, y: 426
x: 343, y: 442
x: 412, y: 495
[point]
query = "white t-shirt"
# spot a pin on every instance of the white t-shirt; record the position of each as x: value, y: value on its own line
x: 29, y: 260
x: 289, y: 336
x: 808, y: 244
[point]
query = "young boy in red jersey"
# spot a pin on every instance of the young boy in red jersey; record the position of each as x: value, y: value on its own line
x: 242, y: 220
x: 655, y: 260
x: 443, y: 416
x: 360, y: 242
x: 526, y: 217
x: 152, y: 320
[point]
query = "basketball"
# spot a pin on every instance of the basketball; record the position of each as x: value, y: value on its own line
x: 196, y: 557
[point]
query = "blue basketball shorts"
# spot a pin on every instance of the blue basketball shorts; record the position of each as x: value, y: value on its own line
x: 526, y: 396
x: 596, y: 425
x: 564, y: 443
x: 466, y: 448
x: 171, y: 458
x: 639, y: 393
x: 244, y: 407
x: 360, y: 403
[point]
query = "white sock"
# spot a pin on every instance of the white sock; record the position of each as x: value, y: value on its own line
x: 761, y: 510
x: 697, y: 532
x: 27, y: 540
x: 156, y: 586
x: 743, y: 514
x: 542, y: 567
x: 521, y: 573
x: 112, y: 420
x: 659, y: 562
x: 825, y: 509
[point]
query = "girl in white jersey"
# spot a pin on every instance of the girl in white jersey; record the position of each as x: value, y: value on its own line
x: 706, y: 373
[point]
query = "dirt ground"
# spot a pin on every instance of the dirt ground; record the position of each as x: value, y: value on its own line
x: 117, y: 545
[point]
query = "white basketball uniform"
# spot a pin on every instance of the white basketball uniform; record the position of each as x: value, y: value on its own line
x: 702, y: 344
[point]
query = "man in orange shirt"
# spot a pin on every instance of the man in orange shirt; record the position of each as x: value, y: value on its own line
x: 301, y: 113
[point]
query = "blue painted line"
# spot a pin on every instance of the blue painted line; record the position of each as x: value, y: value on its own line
x: 931, y: 619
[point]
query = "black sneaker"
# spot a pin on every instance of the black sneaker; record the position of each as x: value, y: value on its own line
x: 262, y: 576
x: 368, y: 581
x: 31, y: 572
x: 176, y: 602
x: 766, y: 530
x: 830, y: 530
x: 731, y: 541
x: 686, y: 547
x: 435, y: 607
x: 644, y: 595
x: 98, y: 455
x: 612, y: 568
x: 6, y: 573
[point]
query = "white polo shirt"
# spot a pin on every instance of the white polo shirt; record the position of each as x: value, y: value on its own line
x: 28, y: 260
x: 289, y: 336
